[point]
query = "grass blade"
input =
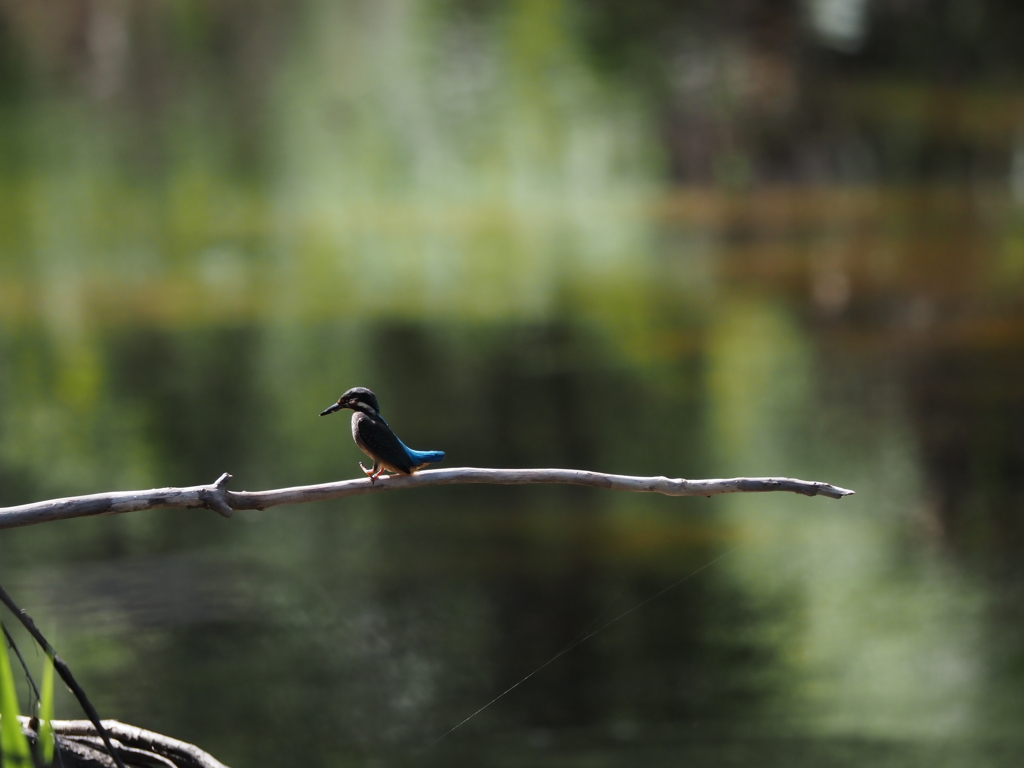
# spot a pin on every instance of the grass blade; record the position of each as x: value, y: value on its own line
x: 13, y: 744
x: 46, y: 713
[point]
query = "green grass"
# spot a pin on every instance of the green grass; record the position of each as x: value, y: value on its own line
x: 46, y: 713
x: 14, y: 751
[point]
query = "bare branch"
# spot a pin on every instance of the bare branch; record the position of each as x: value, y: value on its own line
x: 130, y: 742
x: 217, y: 498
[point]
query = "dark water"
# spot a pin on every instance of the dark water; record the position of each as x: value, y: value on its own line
x: 464, y: 211
x: 881, y: 628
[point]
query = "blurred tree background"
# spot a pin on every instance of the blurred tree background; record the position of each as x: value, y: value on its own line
x: 683, y: 238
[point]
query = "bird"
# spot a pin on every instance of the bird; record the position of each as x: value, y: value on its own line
x: 375, y: 438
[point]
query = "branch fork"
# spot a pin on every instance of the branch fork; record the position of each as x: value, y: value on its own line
x: 215, y: 496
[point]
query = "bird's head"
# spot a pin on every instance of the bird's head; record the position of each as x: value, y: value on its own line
x: 358, y: 399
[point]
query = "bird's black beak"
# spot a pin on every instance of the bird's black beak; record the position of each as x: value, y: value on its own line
x: 336, y: 407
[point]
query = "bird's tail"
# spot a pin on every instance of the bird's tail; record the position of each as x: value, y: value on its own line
x: 420, y: 458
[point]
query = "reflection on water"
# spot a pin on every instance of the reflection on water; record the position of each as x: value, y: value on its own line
x: 379, y: 623
x: 457, y: 210
x: 878, y: 648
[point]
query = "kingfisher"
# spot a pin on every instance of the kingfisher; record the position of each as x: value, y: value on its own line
x: 375, y: 438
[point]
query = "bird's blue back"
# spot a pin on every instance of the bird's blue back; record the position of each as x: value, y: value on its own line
x: 419, y: 458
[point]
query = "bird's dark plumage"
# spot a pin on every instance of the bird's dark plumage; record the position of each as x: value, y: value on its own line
x: 375, y: 438
x: 380, y: 443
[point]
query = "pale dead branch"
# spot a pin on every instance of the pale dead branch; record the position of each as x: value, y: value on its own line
x: 216, y: 497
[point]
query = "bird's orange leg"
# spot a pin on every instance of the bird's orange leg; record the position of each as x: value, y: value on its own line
x: 374, y: 473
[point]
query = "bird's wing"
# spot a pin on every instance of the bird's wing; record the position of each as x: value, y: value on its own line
x: 384, y: 444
